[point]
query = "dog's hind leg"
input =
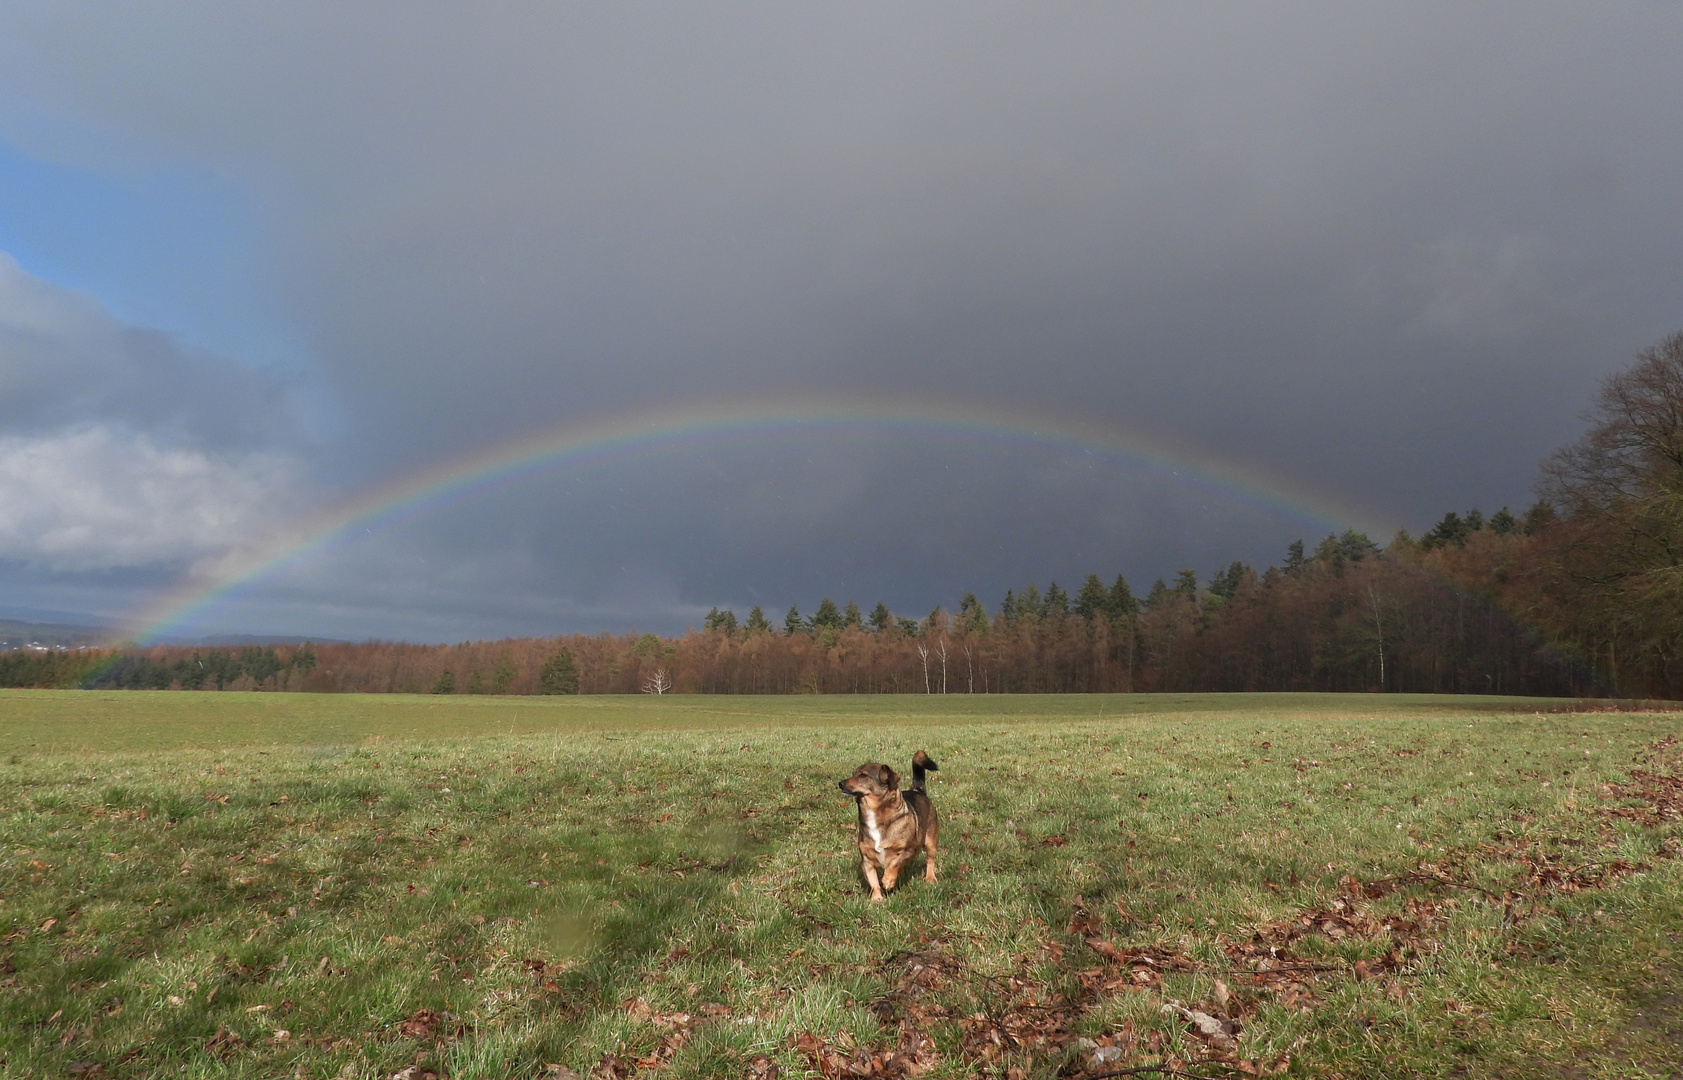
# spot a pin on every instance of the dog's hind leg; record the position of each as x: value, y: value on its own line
x: 929, y: 855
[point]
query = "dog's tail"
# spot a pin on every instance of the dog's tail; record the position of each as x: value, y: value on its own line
x: 920, y: 762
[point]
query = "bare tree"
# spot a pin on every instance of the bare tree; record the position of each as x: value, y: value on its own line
x: 969, y: 668
x: 943, y: 653
x: 923, y: 654
x: 658, y: 683
x: 1130, y: 638
x: 1634, y: 450
x: 1619, y: 551
x: 1379, y: 635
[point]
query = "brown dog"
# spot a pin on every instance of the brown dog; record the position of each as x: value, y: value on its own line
x: 893, y: 824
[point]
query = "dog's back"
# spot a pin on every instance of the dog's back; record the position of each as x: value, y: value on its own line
x: 917, y: 801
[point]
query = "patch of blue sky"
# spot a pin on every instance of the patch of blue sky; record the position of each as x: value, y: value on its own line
x: 177, y: 249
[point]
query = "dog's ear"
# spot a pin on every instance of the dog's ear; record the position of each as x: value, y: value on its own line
x: 890, y: 779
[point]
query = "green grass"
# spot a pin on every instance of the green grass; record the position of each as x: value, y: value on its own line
x: 52, y: 720
x: 532, y: 884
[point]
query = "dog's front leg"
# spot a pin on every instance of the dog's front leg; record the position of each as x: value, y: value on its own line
x: 871, y: 878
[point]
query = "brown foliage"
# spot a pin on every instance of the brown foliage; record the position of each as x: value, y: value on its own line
x: 1433, y: 622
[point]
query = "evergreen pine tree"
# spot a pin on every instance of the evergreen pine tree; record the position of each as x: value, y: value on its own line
x: 1120, y: 605
x: 1539, y: 517
x: 1330, y: 552
x: 504, y: 674
x: 1093, y: 600
x: 1357, y: 546
x: 559, y: 675
x: 828, y: 616
x: 1225, y: 583
x: 1451, y: 530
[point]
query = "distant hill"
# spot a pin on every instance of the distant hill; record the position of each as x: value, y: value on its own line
x: 17, y: 634
x: 20, y: 634
x: 226, y: 640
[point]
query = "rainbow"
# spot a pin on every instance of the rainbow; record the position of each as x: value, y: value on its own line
x: 669, y: 428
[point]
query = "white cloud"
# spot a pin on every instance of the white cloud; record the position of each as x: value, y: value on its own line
x: 98, y: 498
x: 120, y: 449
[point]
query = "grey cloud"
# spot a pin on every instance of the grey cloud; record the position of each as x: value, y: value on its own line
x: 66, y: 361
x: 1390, y: 248
x: 650, y: 543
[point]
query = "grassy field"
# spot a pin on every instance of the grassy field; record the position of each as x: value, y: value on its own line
x: 275, y: 885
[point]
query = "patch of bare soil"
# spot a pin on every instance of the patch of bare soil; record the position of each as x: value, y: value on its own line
x: 1655, y: 791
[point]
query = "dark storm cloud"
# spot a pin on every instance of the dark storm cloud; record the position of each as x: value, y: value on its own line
x: 653, y: 542
x: 1389, y: 249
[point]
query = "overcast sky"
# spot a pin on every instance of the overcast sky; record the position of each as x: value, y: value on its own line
x: 260, y: 260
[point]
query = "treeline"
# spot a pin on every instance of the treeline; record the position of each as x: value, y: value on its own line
x: 245, y: 668
x: 1580, y: 596
x: 1345, y: 616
